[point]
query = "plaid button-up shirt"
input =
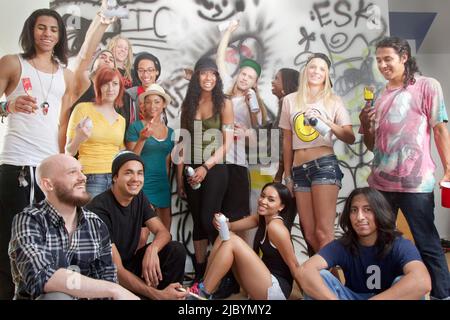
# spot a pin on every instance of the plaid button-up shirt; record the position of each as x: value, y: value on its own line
x: 40, y: 245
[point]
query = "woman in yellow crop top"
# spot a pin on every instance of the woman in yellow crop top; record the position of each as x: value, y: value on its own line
x: 207, y: 118
x: 311, y: 168
x: 96, y: 131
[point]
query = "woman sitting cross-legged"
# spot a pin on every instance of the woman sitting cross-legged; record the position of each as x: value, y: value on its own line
x: 267, y: 272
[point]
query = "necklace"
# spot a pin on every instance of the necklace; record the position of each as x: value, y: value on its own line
x: 44, y: 105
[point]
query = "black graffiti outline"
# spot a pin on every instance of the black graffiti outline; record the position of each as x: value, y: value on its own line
x: 239, y: 6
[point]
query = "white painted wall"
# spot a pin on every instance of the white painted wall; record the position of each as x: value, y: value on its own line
x: 12, y: 16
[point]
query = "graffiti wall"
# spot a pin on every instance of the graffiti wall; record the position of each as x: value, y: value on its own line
x: 277, y: 34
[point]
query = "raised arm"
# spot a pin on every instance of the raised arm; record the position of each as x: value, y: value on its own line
x: 94, y: 35
x: 222, y: 49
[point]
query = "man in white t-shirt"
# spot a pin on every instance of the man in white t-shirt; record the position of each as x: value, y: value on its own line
x: 249, y: 113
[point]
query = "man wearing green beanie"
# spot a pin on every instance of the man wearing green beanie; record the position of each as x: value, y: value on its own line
x: 249, y: 113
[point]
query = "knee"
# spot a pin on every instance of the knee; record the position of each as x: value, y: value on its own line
x: 324, y: 236
x: 309, y: 236
x: 177, y: 251
x: 234, y: 238
x: 55, y: 296
x: 327, y: 276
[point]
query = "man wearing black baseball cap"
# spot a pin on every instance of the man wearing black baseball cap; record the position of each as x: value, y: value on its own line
x: 157, y: 269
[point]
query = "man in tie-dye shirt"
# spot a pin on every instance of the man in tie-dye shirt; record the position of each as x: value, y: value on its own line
x: 398, y: 131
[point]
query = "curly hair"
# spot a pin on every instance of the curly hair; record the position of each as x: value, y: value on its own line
x: 192, y: 100
x: 384, y: 219
x: 402, y: 47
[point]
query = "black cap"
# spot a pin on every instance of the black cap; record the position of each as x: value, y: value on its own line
x: 325, y: 58
x: 205, y: 63
x: 121, y: 158
x: 146, y: 56
x: 322, y: 56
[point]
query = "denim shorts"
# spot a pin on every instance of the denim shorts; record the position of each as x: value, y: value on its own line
x: 275, y: 292
x: 98, y: 183
x: 324, y: 170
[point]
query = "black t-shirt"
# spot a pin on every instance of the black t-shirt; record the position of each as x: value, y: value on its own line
x: 124, y: 111
x: 124, y: 223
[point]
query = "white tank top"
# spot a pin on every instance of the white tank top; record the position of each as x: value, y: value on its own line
x: 30, y: 138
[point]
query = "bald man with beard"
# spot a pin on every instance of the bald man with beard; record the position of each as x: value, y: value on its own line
x: 59, y: 250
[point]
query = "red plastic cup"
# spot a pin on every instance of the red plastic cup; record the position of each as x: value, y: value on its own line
x: 445, y: 194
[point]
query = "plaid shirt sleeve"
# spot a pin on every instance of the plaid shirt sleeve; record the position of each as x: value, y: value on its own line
x: 108, y: 270
x: 31, y: 259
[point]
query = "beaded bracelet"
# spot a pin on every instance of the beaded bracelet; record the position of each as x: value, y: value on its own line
x: 4, y: 109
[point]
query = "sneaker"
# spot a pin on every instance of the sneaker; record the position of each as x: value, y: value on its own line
x: 227, y: 287
x: 197, y: 292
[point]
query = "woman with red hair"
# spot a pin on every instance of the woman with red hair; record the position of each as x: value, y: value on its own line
x: 96, y: 131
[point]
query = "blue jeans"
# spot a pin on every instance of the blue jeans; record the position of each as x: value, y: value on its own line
x: 98, y: 183
x: 324, y: 170
x: 341, y: 291
x: 418, y: 209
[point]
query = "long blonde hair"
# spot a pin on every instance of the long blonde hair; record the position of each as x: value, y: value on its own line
x: 326, y: 94
x: 129, y: 61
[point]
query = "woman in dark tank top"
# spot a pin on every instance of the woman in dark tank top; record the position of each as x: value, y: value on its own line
x: 267, y: 272
x: 205, y: 107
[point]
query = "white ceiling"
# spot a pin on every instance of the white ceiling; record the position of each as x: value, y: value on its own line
x: 437, y: 40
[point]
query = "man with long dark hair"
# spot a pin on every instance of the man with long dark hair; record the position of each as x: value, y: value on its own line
x: 36, y: 84
x: 397, y: 130
x: 378, y: 263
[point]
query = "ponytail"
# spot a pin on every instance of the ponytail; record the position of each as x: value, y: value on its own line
x: 402, y: 47
x: 411, y: 69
